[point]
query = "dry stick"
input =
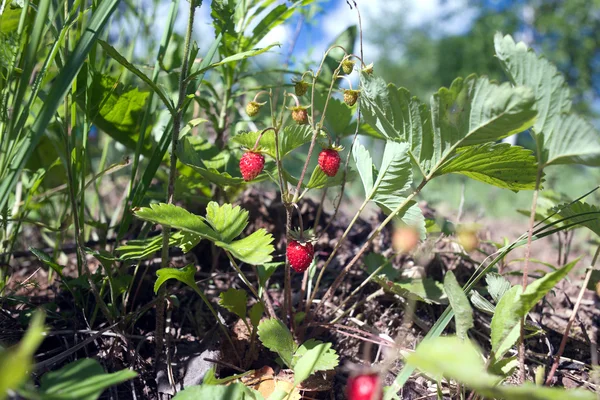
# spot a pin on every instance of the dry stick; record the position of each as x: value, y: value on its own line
x: 362, y: 285
x: 525, y: 272
x: 563, y: 342
x: 160, y: 306
x: 364, y: 248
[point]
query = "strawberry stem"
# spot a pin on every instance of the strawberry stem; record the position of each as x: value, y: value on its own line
x: 260, y: 136
x: 259, y: 93
x: 295, y: 99
x: 346, y: 78
x: 300, y: 221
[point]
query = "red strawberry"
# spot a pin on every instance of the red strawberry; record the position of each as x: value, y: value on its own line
x: 329, y: 161
x: 251, y: 164
x: 300, y: 255
x: 364, y: 387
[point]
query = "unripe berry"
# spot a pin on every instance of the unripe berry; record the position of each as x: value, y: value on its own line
x: 350, y: 97
x: 300, y: 88
x: 252, y: 108
x: 368, y: 69
x: 348, y: 66
x: 300, y: 115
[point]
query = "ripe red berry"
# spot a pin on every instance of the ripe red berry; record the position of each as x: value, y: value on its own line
x: 364, y: 387
x: 300, y: 255
x: 329, y: 161
x: 251, y: 164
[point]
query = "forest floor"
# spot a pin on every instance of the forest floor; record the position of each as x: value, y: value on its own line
x: 365, y: 335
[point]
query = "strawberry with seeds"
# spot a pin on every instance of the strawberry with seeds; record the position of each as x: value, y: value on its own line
x: 300, y: 255
x: 329, y: 161
x: 251, y: 165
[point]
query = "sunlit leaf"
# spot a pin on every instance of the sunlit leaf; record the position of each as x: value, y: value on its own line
x: 497, y: 164
x: 16, y: 362
x: 275, y: 336
x: 255, y: 249
x: 561, y: 136
x: 312, y: 356
x: 226, y: 220
x: 176, y: 217
x: 453, y: 358
x: 84, y: 379
x: 184, y: 275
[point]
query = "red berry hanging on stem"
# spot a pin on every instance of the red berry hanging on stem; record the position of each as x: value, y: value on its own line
x: 253, y: 162
x: 251, y: 165
x: 300, y: 255
x: 329, y: 161
x: 300, y: 251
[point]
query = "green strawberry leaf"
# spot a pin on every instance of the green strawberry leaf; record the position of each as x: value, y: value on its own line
x: 234, y: 300
x: 275, y: 336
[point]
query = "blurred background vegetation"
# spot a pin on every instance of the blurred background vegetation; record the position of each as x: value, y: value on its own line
x: 420, y: 45
x: 425, y: 45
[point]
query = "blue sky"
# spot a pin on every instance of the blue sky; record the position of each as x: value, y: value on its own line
x: 335, y: 17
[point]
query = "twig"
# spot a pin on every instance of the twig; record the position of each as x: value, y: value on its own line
x: 563, y: 342
x: 362, y: 250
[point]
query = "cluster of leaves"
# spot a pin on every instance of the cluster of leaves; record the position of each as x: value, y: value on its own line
x: 456, y: 132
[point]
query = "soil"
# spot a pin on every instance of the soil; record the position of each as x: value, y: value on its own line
x: 362, y: 338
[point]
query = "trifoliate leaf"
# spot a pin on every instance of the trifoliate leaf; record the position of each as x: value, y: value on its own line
x: 226, y: 220
x: 255, y: 249
x: 256, y: 313
x: 313, y: 356
x: 497, y: 285
x: 176, y: 217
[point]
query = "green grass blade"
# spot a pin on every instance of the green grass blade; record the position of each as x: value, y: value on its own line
x: 56, y: 95
x: 123, y: 61
x: 160, y: 151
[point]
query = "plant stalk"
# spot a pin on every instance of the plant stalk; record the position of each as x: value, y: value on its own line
x: 160, y: 306
x: 526, y: 270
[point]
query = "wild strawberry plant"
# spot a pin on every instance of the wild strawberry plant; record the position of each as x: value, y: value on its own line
x: 320, y: 125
